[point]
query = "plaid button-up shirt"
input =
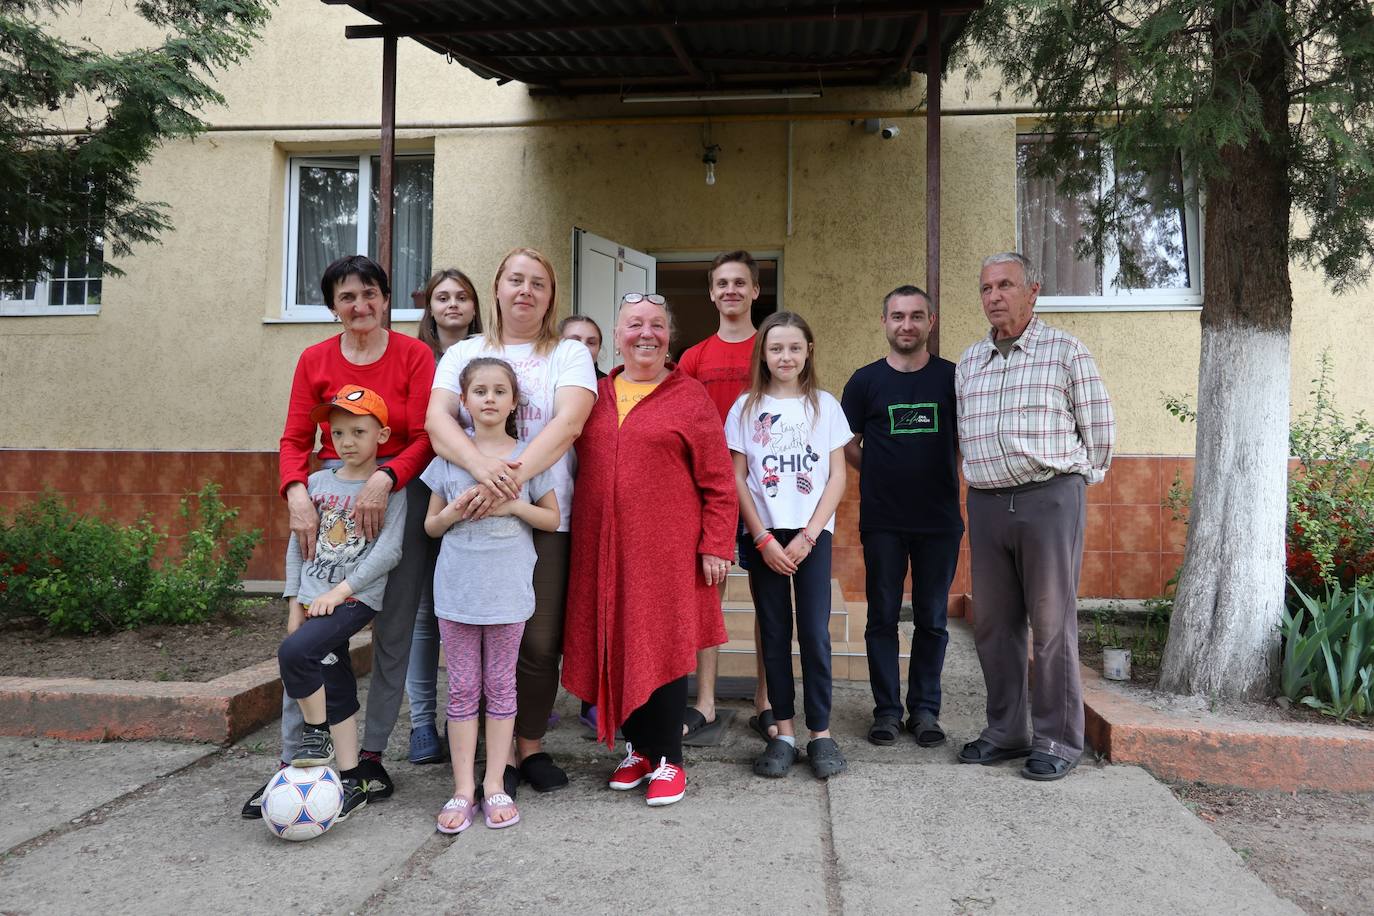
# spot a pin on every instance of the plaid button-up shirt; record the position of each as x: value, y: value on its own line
x: 1042, y: 411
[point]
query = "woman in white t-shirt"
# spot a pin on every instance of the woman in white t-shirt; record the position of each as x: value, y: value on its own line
x: 558, y: 389
x: 787, y: 439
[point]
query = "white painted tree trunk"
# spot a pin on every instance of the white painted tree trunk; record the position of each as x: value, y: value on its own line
x: 1223, y: 639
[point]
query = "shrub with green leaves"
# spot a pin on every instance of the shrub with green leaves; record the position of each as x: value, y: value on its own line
x: 1328, y: 651
x: 1330, y: 495
x: 1330, y: 533
x: 81, y: 574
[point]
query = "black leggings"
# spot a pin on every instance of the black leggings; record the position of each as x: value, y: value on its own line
x: 655, y: 729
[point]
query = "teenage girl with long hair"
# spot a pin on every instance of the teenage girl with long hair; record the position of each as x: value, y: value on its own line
x: 787, y: 439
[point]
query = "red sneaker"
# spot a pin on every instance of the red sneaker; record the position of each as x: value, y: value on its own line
x: 667, y: 784
x: 633, y: 770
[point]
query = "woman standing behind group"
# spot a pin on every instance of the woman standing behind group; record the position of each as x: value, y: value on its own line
x: 654, y: 526
x: 452, y: 313
x: 558, y: 389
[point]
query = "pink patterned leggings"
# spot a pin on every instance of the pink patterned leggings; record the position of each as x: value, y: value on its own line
x: 480, y: 659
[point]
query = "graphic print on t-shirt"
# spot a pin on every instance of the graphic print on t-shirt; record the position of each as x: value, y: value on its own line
x: 904, y: 419
x: 787, y: 453
x: 533, y: 375
x: 339, y: 545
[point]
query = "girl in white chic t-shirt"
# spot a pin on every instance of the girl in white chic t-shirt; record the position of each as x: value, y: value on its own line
x: 787, y: 439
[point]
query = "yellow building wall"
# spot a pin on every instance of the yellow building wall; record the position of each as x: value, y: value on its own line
x: 185, y: 355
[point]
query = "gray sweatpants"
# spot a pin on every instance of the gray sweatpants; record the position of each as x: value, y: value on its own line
x: 1027, y: 552
x: 391, y: 634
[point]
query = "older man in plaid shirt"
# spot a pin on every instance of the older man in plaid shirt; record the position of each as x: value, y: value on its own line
x: 1035, y: 428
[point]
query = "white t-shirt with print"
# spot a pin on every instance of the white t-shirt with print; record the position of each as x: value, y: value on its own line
x: 788, y: 452
x: 540, y: 377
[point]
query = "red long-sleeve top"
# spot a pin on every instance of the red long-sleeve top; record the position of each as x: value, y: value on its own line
x: 403, y: 377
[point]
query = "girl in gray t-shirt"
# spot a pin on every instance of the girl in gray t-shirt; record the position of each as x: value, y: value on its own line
x: 484, y: 592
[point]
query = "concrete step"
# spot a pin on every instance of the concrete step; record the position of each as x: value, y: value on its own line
x: 739, y: 621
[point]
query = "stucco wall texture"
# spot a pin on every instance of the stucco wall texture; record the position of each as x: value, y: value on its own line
x: 185, y: 353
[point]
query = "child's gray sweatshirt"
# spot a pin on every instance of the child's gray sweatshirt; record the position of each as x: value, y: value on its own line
x: 341, y: 550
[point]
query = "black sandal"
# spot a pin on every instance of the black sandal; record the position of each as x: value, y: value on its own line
x: 926, y: 728
x: 1043, y: 767
x: 884, y: 731
x: 776, y: 759
x: 985, y: 752
x: 762, y: 723
x: 542, y: 773
x: 825, y: 757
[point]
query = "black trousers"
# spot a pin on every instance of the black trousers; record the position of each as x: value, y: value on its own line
x: 302, y: 659
x: 932, y: 559
x: 655, y: 729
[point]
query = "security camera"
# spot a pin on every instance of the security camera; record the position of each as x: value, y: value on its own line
x: 889, y: 131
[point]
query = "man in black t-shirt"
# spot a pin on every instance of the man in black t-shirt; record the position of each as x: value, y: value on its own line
x: 901, y: 410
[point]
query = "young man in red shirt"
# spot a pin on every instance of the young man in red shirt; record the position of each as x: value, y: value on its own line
x: 721, y: 364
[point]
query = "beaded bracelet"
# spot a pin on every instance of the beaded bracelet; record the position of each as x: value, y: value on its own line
x: 809, y: 539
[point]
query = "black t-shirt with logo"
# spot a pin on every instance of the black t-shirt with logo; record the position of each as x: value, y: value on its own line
x: 909, y: 475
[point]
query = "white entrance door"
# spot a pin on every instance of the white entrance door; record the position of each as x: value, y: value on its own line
x: 603, y: 271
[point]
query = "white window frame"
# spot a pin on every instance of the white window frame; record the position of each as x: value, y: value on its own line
x: 1137, y: 300
x: 37, y: 307
x: 309, y: 312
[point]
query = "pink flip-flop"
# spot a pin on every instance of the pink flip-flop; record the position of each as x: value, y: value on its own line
x: 456, y: 803
x: 500, y: 802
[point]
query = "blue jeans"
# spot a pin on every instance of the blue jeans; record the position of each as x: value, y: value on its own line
x: 933, y: 558
x: 422, y: 676
x: 773, y: 607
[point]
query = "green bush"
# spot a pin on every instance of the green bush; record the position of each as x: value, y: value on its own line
x: 1330, y: 495
x: 1329, y: 538
x: 80, y: 574
x: 1328, y: 651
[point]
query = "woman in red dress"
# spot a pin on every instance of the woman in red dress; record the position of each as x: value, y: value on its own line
x: 653, y: 527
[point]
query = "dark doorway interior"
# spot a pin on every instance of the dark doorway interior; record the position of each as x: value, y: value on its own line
x: 684, y: 284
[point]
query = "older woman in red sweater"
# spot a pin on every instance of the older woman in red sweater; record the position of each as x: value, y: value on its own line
x: 401, y: 370
x: 653, y: 525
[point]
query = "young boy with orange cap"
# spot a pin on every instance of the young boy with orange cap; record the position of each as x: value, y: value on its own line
x: 338, y: 592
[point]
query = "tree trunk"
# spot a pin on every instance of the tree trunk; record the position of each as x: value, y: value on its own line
x: 1223, y: 638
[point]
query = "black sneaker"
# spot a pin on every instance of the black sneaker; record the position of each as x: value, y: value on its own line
x: 354, y: 797
x: 316, y: 750
x: 375, y: 779
x: 252, y: 809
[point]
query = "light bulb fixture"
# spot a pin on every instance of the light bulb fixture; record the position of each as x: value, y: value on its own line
x: 708, y: 158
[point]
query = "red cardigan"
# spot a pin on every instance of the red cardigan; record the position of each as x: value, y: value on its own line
x: 403, y: 377
x: 652, y: 496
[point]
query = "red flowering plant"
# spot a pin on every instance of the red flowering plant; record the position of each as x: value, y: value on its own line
x: 1330, y: 495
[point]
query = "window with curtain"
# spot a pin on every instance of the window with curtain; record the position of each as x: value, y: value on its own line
x: 1161, y: 234
x: 335, y: 208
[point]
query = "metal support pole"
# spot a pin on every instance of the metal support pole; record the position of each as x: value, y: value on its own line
x: 934, y: 65
x: 386, y: 195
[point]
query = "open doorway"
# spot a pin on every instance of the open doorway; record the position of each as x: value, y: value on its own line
x: 682, y: 279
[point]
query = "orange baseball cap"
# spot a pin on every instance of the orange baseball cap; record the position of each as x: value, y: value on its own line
x: 354, y: 399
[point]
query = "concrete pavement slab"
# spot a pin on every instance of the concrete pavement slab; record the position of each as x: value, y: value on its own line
x: 48, y: 783
x: 734, y: 845
x: 182, y: 848
x: 973, y: 839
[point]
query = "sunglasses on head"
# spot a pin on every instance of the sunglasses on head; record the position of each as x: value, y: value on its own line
x: 632, y: 298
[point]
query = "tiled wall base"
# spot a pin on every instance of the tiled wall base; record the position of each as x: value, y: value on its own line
x: 1133, y: 543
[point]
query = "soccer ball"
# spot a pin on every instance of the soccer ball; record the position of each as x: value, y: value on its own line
x: 302, y: 802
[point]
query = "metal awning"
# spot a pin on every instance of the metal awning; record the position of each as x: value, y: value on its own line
x: 636, y: 47
x: 571, y: 47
